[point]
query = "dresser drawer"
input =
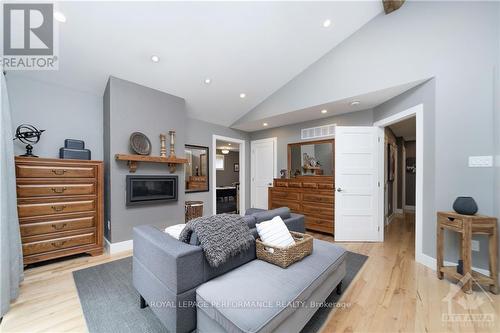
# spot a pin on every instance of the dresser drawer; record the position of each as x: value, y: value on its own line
x: 294, y: 206
x: 59, y: 171
x: 58, y: 243
x: 325, y: 186
x: 280, y: 183
x: 59, y: 207
x: 295, y: 184
x: 27, y: 190
x: 309, y: 185
x: 451, y: 221
x: 321, y: 198
x: 318, y: 209
x: 285, y: 195
x: 57, y: 225
x: 319, y: 224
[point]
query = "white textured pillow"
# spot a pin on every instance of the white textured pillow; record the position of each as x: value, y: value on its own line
x: 275, y: 233
x: 175, y: 230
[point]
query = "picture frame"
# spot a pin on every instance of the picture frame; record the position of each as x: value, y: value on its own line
x: 236, y: 167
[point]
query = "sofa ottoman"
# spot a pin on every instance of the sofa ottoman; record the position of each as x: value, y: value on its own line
x: 261, y: 297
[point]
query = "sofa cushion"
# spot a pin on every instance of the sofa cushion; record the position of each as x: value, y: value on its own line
x: 251, y: 211
x: 283, y: 212
x: 258, y: 296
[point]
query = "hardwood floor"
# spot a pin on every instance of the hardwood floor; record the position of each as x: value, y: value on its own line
x: 391, y: 293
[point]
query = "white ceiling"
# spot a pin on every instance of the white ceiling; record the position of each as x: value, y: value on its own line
x: 406, y: 128
x: 368, y: 100
x: 250, y: 47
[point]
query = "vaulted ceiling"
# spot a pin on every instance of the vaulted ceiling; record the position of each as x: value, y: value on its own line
x: 242, y: 47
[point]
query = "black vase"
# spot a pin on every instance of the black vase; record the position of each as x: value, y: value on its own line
x: 465, y: 206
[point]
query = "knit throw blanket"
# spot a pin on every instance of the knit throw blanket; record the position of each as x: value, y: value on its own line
x: 221, y: 236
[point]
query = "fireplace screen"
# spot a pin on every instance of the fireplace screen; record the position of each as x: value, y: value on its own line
x: 151, y: 189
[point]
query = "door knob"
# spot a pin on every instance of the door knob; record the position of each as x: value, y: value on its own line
x: 269, y: 184
x: 339, y: 189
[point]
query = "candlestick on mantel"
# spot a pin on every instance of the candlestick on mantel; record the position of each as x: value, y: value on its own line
x: 163, y: 145
x: 172, y: 142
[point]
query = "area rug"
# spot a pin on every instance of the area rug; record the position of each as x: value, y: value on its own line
x: 111, y: 304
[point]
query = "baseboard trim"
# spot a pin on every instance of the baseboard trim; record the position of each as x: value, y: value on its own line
x: 431, y: 263
x: 113, y: 248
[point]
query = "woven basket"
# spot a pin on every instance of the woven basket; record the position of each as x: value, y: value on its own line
x: 194, y: 209
x: 284, y: 257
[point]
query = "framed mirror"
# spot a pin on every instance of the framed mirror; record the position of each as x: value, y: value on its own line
x: 312, y: 158
x: 196, y: 170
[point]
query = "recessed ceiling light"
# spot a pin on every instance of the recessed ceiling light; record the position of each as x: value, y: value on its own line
x: 324, y: 111
x: 207, y: 80
x: 327, y: 23
x: 265, y: 124
x: 155, y: 58
x: 228, y: 144
x: 243, y: 95
x: 354, y: 103
x: 58, y: 16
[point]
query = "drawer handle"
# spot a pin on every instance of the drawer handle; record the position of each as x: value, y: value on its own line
x: 58, y: 243
x: 58, y: 189
x: 59, y: 172
x: 58, y: 208
x: 451, y: 219
x: 59, y: 226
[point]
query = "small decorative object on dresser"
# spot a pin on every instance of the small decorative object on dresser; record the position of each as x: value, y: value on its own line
x: 60, y: 207
x: 28, y: 134
x: 74, y: 149
x: 465, y: 206
x: 140, y: 143
x: 283, y: 173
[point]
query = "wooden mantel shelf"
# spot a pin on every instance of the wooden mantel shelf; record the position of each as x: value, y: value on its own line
x: 132, y: 160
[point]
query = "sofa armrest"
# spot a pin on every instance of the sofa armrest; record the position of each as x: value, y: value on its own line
x: 296, y: 223
x: 171, y: 261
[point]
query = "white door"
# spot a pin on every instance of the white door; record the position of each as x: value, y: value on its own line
x: 263, y: 170
x: 356, y: 173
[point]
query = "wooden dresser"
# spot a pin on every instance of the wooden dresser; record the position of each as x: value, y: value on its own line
x: 312, y: 196
x: 60, y: 207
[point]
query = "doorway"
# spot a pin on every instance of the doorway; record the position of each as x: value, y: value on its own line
x: 263, y: 170
x: 408, y: 194
x: 228, y: 174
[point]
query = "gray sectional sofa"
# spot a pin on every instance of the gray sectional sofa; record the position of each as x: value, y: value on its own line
x: 244, y: 294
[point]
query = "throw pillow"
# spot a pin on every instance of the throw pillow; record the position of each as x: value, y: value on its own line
x: 275, y: 233
x: 175, y: 230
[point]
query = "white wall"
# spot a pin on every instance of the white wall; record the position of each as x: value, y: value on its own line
x: 63, y: 112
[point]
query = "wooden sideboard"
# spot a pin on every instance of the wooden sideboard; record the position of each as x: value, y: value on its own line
x: 312, y: 196
x: 60, y: 207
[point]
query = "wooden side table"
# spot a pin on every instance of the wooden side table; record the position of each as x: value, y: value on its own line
x: 468, y: 225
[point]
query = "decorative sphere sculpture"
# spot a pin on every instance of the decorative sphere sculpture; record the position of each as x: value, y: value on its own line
x: 29, y: 135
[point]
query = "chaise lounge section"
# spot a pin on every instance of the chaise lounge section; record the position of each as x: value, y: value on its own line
x: 171, y: 276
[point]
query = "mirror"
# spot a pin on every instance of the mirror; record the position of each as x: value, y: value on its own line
x: 196, y: 170
x: 314, y: 158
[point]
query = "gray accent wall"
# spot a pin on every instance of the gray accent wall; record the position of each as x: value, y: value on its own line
x: 132, y: 108
x: 456, y: 43
x: 200, y: 133
x: 291, y: 133
x: 63, y: 113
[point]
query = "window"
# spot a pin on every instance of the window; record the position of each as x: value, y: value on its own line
x: 219, y: 162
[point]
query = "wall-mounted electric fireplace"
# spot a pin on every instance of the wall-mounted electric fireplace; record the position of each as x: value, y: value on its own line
x: 151, y: 189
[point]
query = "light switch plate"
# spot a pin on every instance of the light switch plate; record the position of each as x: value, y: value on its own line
x: 480, y: 161
x: 475, y: 245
